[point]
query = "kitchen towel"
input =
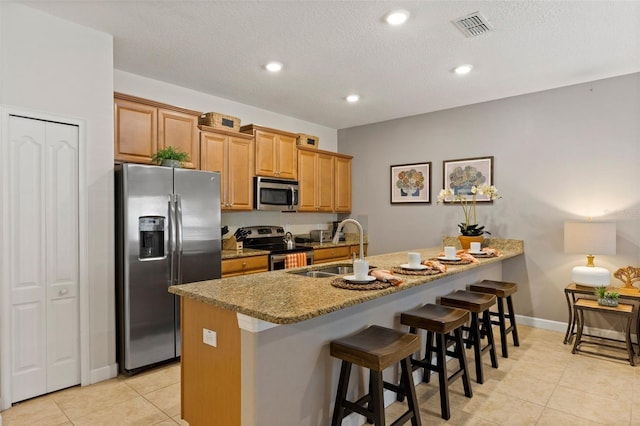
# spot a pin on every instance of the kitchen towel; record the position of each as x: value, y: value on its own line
x: 295, y: 260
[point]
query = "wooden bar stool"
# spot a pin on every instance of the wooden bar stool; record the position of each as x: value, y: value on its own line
x: 477, y: 304
x: 502, y: 290
x: 376, y: 348
x: 440, y: 321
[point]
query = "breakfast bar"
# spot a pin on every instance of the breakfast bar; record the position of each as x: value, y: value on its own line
x: 255, y: 347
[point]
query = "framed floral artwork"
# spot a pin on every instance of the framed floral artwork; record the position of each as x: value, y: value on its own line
x: 460, y: 176
x: 411, y: 183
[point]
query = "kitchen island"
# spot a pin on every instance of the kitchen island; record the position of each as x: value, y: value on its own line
x: 268, y: 363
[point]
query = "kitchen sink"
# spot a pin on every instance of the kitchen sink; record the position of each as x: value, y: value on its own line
x: 327, y: 271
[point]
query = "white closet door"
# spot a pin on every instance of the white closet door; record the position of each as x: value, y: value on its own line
x: 63, y: 315
x: 43, y: 256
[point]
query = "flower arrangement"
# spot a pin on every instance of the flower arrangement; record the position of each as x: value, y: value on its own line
x: 470, y: 225
x: 607, y: 298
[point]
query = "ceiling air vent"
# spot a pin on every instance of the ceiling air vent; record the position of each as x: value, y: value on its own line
x: 473, y: 25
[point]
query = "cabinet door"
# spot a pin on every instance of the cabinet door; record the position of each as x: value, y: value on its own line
x: 135, y: 132
x: 331, y: 254
x: 265, y: 153
x: 240, y: 173
x: 343, y: 185
x: 180, y: 131
x: 287, y: 164
x: 212, y: 159
x: 324, y: 182
x: 307, y: 181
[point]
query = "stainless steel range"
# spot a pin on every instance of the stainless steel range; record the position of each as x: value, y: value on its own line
x: 274, y: 240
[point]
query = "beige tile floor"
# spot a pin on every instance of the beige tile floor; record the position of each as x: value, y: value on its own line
x: 541, y: 383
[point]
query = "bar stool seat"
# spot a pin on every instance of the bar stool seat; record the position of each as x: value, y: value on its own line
x: 478, y: 304
x: 440, y: 321
x: 503, y: 291
x: 376, y: 348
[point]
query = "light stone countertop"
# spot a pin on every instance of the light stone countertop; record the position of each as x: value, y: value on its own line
x: 280, y: 297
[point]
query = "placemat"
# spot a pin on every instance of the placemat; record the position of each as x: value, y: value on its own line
x: 452, y: 262
x: 424, y: 272
x: 373, y: 285
x: 482, y: 255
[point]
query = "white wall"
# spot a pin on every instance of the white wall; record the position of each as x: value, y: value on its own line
x: 160, y: 91
x: 56, y: 67
x: 561, y: 154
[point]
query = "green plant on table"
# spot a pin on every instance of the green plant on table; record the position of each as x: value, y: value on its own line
x: 169, y: 153
x: 602, y: 293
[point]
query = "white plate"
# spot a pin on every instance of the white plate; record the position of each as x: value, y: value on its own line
x: 352, y: 279
x: 450, y: 259
x: 477, y: 252
x: 417, y: 268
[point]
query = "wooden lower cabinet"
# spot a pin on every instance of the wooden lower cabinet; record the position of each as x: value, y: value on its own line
x: 244, y: 266
x: 211, y: 376
x: 332, y: 254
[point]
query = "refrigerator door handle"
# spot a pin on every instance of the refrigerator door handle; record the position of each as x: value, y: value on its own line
x: 179, y: 239
x: 172, y: 239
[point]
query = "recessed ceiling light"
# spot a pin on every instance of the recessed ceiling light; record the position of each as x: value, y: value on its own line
x: 396, y: 17
x: 463, y: 69
x: 274, y: 66
x: 353, y: 98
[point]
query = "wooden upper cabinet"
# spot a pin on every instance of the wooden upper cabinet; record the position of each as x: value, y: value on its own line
x: 142, y: 127
x: 276, y: 152
x: 343, y: 184
x: 325, y: 181
x: 231, y: 154
x: 180, y: 131
x: 287, y: 156
x: 316, y: 178
x: 136, y: 129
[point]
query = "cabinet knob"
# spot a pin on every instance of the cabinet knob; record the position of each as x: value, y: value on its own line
x: 63, y: 291
x: 244, y: 264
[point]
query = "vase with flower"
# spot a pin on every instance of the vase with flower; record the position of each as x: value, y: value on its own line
x: 470, y: 231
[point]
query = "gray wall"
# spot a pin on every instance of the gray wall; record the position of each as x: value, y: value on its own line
x: 562, y: 154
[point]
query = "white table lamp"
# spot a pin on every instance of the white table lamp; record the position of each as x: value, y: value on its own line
x: 590, y: 238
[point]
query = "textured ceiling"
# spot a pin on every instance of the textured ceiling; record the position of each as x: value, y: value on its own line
x: 333, y: 48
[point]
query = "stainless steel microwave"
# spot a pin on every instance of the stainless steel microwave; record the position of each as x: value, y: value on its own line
x: 275, y: 194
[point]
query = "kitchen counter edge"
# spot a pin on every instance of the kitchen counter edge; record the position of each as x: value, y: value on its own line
x: 281, y: 297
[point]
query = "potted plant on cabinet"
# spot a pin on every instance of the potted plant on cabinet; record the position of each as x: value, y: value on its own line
x: 607, y: 298
x: 170, y: 157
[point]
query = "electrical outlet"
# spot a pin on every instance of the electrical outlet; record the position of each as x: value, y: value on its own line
x: 209, y: 337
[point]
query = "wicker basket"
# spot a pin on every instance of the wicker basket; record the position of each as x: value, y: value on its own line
x: 308, y: 140
x: 219, y: 121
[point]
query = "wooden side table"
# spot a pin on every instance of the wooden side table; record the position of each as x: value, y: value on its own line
x: 573, y: 291
x: 623, y: 310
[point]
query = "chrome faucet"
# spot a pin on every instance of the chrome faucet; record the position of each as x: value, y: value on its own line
x: 336, y: 237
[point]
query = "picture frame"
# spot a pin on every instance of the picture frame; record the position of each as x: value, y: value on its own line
x: 411, y: 183
x: 462, y: 174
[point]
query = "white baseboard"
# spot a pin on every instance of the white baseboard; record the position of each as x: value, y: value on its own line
x: 103, y: 373
x: 562, y: 327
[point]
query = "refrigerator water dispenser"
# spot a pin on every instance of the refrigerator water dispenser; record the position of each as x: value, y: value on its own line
x: 151, y: 236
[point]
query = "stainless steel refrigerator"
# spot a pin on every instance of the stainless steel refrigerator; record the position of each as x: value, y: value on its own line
x: 167, y: 233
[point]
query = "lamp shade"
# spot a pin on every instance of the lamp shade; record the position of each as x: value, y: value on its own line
x: 590, y: 237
